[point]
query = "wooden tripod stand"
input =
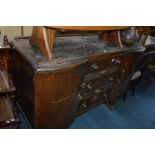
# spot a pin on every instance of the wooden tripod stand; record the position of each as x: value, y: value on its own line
x: 44, y: 36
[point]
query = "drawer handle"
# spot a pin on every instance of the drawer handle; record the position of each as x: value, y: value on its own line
x: 113, y: 60
x: 85, y: 96
x: 94, y: 66
x: 97, y: 91
x: 80, y: 97
x: 105, y: 95
x: 117, y: 61
x: 111, y: 78
x: 84, y: 105
x: 89, y: 86
x: 83, y: 85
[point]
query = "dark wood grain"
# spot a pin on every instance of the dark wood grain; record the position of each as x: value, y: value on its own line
x: 84, y: 73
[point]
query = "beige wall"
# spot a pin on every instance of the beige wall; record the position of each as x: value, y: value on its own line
x: 12, y: 31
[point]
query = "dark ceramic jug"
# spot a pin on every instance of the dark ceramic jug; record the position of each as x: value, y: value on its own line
x: 129, y: 36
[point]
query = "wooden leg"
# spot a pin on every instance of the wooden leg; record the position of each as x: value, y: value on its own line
x: 125, y: 95
x: 43, y: 38
x: 111, y: 107
x: 51, y: 37
x: 113, y: 36
x: 133, y: 85
x: 111, y: 104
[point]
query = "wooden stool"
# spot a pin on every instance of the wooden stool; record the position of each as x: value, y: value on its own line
x: 44, y: 36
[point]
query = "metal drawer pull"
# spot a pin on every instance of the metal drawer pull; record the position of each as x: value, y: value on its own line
x: 80, y: 97
x: 111, y: 78
x: 84, y: 105
x: 105, y: 95
x: 97, y: 91
x: 89, y: 87
x: 118, y: 61
x: 83, y: 85
x: 85, y: 96
x: 94, y: 66
x: 113, y: 60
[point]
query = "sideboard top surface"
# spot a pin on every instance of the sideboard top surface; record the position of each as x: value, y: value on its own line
x: 66, y: 51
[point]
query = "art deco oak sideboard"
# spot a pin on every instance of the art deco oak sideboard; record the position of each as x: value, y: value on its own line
x: 83, y: 73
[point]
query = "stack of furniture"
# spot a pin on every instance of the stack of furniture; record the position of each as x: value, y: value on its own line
x: 61, y: 75
x: 8, y: 112
x: 142, y: 62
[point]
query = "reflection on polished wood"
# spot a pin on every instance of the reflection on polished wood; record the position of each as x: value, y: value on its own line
x: 44, y: 36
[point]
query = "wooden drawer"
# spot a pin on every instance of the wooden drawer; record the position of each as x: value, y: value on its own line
x: 97, y: 83
x: 101, y: 74
x: 101, y: 91
x: 100, y: 64
x: 97, y: 98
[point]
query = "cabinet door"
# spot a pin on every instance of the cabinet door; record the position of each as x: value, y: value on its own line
x: 128, y: 61
x: 56, y: 96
